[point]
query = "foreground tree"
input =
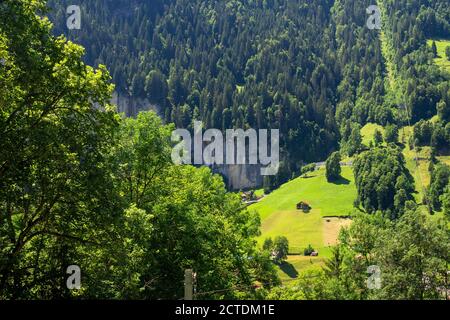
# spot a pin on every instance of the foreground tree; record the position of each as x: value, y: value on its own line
x: 410, y: 257
x: 196, y: 223
x: 413, y: 257
x: 53, y: 181
x: 79, y: 185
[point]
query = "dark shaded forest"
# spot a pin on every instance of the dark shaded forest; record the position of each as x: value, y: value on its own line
x: 312, y: 69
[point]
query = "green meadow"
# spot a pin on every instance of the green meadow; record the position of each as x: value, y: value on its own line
x: 441, y: 60
x: 368, y: 132
x: 280, y: 217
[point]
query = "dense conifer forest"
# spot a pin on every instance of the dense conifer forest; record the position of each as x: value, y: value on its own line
x: 310, y: 68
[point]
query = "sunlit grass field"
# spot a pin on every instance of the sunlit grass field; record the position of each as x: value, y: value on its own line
x: 280, y: 217
x: 441, y: 60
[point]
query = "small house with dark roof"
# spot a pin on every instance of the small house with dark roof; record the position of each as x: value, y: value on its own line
x: 304, y: 206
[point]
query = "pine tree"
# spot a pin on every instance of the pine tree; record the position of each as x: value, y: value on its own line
x: 377, y: 138
x: 434, y: 49
x: 333, y: 167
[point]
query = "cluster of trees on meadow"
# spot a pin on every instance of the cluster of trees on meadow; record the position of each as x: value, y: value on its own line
x: 383, y: 181
x: 436, y: 135
x: 433, y: 134
x: 278, y: 248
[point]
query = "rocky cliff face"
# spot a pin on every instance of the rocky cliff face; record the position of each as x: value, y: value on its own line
x: 132, y: 105
x: 240, y: 177
x: 236, y: 177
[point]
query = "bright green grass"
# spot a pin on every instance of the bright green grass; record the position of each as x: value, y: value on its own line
x: 441, y: 60
x: 301, y: 229
x: 418, y: 169
x: 444, y: 159
x: 331, y: 198
x: 295, y: 264
x: 280, y: 218
x: 368, y: 132
x: 259, y: 193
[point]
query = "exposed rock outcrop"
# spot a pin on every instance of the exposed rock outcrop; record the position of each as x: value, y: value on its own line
x: 132, y: 105
x: 240, y: 177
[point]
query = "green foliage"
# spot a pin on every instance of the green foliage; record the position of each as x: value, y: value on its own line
x: 434, y: 134
x: 443, y: 110
x: 308, y: 168
x: 278, y: 248
x: 378, y: 138
x: 447, y: 52
x: 197, y: 61
x: 445, y: 200
x: 383, y: 181
x: 418, y: 82
x: 333, y: 167
x: 311, y: 285
x: 410, y: 251
x: 281, y: 248
x: 308, y: 74
x: 441, y: 60
x: 406, y: 252
x: 361, y: 90
x: 156, y: 88
x: 268, y: 244
x: 55, y: 189
x: 268, y: 184
x: 354, y: 143
x: 80, y: 185
x: 307, y: 251
x: 391, y: 134
x: 333, y: 266
x: 440, y: 178
x: 434, y: 49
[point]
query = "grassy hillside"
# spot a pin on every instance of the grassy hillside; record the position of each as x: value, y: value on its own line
x: 332, y: 199
x: 329, y: 201
x: 279, y: 216
x: 441, y: 60
x: 419, y: 167
x: 368, y: 132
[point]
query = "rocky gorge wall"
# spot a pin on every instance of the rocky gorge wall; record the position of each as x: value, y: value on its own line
x: 236, y: 177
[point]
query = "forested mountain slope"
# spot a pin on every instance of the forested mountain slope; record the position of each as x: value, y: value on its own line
x: 310, y: 68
